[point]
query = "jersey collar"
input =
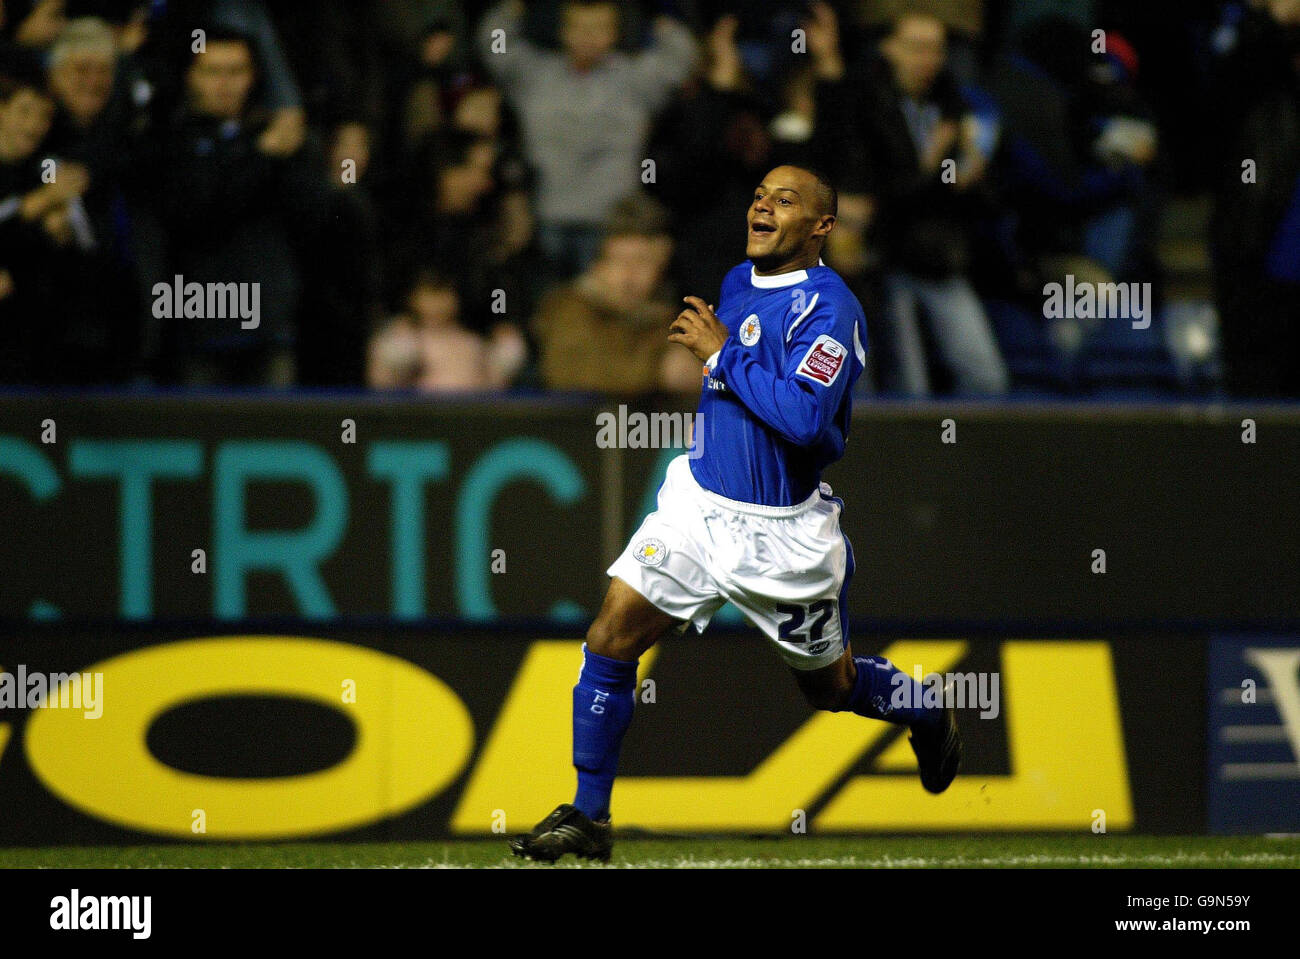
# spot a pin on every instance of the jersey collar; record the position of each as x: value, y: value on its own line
x: 778, y: 280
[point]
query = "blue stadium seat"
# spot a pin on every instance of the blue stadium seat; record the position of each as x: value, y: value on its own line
x: 1033, y: 360
x: 1120, y: 360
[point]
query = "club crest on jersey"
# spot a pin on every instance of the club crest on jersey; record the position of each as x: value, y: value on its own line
x: 823, y: 360
x: 750, y: 330
x: 650, y: 552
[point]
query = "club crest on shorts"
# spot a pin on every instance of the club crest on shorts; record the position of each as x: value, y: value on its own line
x: 750, y: 330
x: 650, y: 552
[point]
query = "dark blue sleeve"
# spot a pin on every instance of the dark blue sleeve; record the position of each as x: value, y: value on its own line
x: 800, y: 400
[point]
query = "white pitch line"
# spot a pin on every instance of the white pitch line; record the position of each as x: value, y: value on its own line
x: 890, y: 862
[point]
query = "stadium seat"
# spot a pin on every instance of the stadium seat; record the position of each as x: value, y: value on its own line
x: 1035, y: 364
x: 1118, y: 360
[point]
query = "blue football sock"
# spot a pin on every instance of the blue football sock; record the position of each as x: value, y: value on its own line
x: 883, y: 691
x: 602, y: 711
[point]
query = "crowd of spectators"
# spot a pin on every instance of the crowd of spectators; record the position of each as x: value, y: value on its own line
x: 440, y: 195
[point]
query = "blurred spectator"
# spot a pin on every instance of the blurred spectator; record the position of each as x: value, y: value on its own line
x: 97, y: 128
x: 29, y: 28
x: 712, y: 148
x: 585, y: 113
x: 607, y: 331
x: 82, y: 68
x: 171, y: 42
x: 332, y: 50
x: 231, y: 202
x: 428, y: 64
x: 428, y: 349
x: 1257, y: 238
x: 963, y: 18
x: 31, y: 220
x: 467, y: 210
x: 1078, y: 143
x: 66, y: 323
x: 898, y: 126
x: 764, y: 39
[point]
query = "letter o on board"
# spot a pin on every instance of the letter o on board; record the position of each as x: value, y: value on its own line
x: 414, y: 735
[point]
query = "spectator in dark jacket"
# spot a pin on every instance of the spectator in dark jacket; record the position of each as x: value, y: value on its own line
x: 96, y: 125
x: 904, y: 135
x: 332, y: 48
x: 712, y: 148
x: 231, y: 205
x: 55, y: 330
x: 1078, y: 144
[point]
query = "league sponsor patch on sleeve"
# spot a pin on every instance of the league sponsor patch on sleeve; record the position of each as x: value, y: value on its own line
x: 823, y: 360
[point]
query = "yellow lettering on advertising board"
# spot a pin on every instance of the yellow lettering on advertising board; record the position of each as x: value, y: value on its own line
x: 1065, y: 740
x: 414, y: 736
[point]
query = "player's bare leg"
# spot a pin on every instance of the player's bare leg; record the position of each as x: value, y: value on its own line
x: 867, y: 686
x: 829, y: 687
x: 627, y: 625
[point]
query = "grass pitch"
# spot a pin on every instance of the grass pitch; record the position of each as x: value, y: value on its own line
x: 795, y: 852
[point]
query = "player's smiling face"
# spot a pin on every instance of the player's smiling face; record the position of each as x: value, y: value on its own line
x: 784, y: 221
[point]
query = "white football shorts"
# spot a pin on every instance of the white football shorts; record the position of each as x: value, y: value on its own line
x: 787, y: 569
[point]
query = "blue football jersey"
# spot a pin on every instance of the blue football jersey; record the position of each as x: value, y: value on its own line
x: 774, y: 410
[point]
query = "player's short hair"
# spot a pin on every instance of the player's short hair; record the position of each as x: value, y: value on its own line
x: 826, y: 192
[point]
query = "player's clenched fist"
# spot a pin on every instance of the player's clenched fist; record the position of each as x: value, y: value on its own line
x: 698, y: 329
